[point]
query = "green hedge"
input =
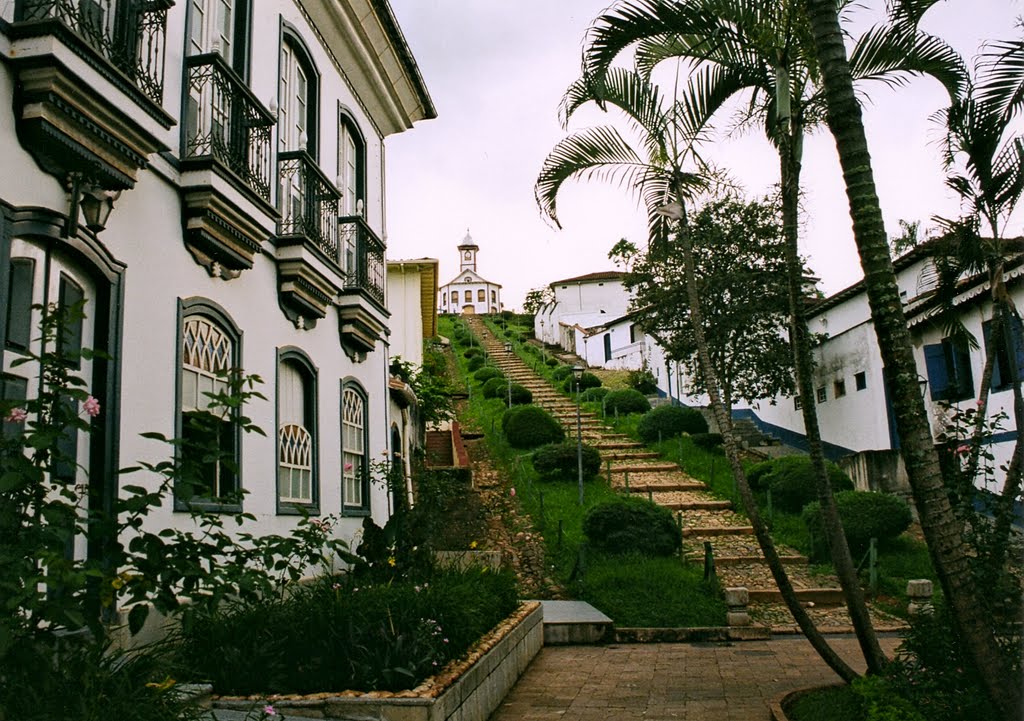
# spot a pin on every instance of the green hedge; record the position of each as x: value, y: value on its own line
x: 561, y: 372
x: 626, y: 401
x: 865, y: 515
x: 495, y: 388
x: 521, y: 395
x: 343, y: 633
x: 487, y: 373
x: 632, y: 525
x: 472, y: 352
x: 791, y: 481
x: 669, y: 421
x: 586, y: 382
x: 559, y: 462
x: 530, y: 426
x: 475, y: 363
x: 594, y: 395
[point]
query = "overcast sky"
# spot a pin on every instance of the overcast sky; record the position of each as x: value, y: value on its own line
x: 496, y: 70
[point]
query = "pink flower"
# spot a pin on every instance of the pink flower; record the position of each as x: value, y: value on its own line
x: 348, y: 466
x: 269, y: 710
x: 512, y: 492
x: 16, y: 415
x: 91, y: 406
x: 963, y: 449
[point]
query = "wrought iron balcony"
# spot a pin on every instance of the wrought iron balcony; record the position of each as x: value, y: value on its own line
x: 225, y: 122
x: 130, y: 34
x: 363, y: 257
x: 308, y: 202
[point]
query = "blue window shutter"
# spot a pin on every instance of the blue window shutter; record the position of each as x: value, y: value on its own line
x: 1017, y: 334
x: 938, y: 376
x: 962, y: 375
x: 997, y: 366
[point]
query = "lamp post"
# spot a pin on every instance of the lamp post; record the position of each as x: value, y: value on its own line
x: 577, y: 374
x: 508, y: 351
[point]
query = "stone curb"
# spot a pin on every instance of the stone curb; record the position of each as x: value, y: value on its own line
x: 691, y: 635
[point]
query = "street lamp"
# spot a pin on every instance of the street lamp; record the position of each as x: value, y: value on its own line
x: 508, y: 377
x: 577, y: 374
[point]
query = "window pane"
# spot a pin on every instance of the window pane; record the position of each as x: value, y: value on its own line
x: 19, y: 303
x: 71, y: 296
x: 12, y: 388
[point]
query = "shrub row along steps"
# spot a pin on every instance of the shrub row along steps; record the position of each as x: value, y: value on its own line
x: 704, y: 517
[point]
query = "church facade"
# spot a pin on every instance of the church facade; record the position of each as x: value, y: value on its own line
x: 470, y: 293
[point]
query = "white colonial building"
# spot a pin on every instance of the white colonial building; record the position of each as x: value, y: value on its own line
x: 208, y: 177
x: 580, y: 304
x: 470, y: 292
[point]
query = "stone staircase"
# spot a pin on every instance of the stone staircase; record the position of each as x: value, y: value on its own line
x: 705, y: 518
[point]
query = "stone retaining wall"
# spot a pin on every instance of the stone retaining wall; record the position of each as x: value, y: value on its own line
x: 467, y: 691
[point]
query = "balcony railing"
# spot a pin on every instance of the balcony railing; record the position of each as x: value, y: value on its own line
x: 225, y: 122
x: 363, y: 257
x: 308, y: 202
x: 129, y: 33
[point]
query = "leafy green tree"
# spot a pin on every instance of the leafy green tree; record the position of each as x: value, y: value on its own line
x: 942, y: 528
x: 536, y: 298
x: 741, y: 280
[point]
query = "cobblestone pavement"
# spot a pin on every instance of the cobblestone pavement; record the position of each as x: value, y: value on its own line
x: 658, y: 682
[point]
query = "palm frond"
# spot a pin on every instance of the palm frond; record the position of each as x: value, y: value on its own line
x: 640, y: 102
x: 909, y: 12
x: 891, y: 54
x: 600, y: 153
x: 1001, y: 77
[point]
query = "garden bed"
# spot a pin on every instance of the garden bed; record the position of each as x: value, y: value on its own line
x: 468, y: 689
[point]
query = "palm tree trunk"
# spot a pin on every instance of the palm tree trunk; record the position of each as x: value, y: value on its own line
x: 722, y: 418
x: 942, y: 530
x: 803, y: 364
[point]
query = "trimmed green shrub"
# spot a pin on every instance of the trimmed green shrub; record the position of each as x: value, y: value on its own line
x: 632, y: 525
x: 865, y: 515
x: 791, y: 481
x: 559, y: 462
x: 521, y: 395
x: 474, y: 351
x: 486, y: 373
x: 495, y: 388
x: 594, y: 395
x: 551, y: 362
x: 587, y: 381
x: 531, y: 426
x: 475, y: 363
x: 642, y: 381
x: 707, y: 441
x: 626, y: 401
x: 669, y: 421
x: 561, y: 372
x: 758, y: 473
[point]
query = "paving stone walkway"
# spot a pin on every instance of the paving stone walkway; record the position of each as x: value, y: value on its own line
x: 661, y: 682
x: 704, y: 517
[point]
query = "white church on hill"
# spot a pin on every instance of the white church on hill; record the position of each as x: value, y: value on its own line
x: 469, y: 292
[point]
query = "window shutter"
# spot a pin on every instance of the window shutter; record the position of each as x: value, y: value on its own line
x: 963, y: 378
x: 997, y: 365
x: 938, y: 377
x: 19, y: 307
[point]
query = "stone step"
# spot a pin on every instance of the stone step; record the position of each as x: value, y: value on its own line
x: 712, y: 531
x: 574, y: 623
x: 625, y: 454
x: 692, y: 505
x: 817, y: 596
x: 742, y: 560
x: 642, y: 487
x: 615, y: 445
x: 645, y: 468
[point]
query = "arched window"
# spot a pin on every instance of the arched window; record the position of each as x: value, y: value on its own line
x: 351, y: 166
x: 297, y: 448
x: 297, y: 102
x: 494, y: 296
x: 355, y: 490
x: 468, y: 295
x: 444, y: 299
x: 210, y: 442
x: 220, y: 26
x: 480, y: 296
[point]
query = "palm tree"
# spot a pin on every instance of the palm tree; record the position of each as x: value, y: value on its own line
x: 659, y: 175
x: 764, y: 50
x: 985, y: 165
x: 943, y: 531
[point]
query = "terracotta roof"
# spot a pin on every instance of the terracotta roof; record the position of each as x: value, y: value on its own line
x: 590, y: 277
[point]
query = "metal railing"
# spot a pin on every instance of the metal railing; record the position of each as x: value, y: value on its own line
x: 225, y: 122
x: 308, y: 202
x: 131, y: 34
x: 363, y: 257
